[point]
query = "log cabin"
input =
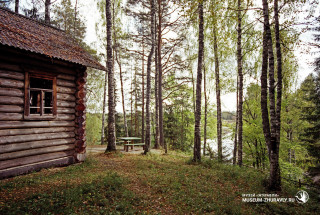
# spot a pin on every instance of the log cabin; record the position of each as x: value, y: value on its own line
x: 42, y: 96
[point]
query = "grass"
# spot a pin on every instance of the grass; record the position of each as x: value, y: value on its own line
x: 151, y: 184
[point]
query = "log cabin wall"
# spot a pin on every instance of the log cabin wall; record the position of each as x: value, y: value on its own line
x: 29, y: 145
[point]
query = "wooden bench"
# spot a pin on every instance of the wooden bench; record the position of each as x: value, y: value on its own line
x: 126, y: 146
x: 119, y: 142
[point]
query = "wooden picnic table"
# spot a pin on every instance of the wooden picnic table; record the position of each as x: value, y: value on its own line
x: 130, y: 141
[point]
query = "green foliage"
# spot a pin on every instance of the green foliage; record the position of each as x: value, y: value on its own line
x: 311, y: 113
x: 68, y: 18
x: 93, y: 128
x: 255, y: 152
x: 293, y: 152
x: 179, y: 118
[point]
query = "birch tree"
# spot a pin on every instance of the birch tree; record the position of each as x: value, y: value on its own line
x: 197, y: 134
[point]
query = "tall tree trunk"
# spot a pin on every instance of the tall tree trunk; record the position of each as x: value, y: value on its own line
x: 235, y: 146
x: 143, y: 99
x: 162, y: 142
x: 16, y: 6
x: 113, y: 66
x: 218, y: 91
x: 270, y: 130
x: 111, y: 100
x: 279, y: 69
x: 104, y: 107
x: 193, y: 92
x: 131, y: 110
x: 239, y: 59
x: 47, y: 11
x: 136, y: 115
x: 197, y: 134
x: 148, y: 135
x: 205, y: 112
x: 156, y: 95
x: 75, y: 17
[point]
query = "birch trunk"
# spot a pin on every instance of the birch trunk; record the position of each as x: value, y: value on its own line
x: 235, y: 147
x: 111, y: 102
x: 218, y: 90
x: 156, y: 95
x: 197, y: 134
x: 143, y: 99
x: 162, y: 142
x: 272, y: 130
x: 205, y: 113
x: 239, y: 59
x: 104, y: 107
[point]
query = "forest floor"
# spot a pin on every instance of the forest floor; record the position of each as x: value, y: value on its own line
x: 118, y: 183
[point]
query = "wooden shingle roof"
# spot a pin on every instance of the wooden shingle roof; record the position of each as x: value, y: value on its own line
x: 24, y: 33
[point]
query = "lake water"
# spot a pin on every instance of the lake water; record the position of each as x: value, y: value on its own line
x: 227, y: 144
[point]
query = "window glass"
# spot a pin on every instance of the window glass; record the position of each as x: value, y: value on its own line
x: 48, y: 102
x: 40, y: 83
x: 41, y: 96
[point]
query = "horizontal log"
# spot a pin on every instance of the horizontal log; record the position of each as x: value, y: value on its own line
x: 35, y: 124
x: 11, y: 109
x: 66, y: 77
x: 13, y: 132
x: 12, y: 67
x: 31, y: 137
x: 34, y: 159
x: 4, y: 82
x: 10, y: 116
x: 66, y: 90
x: 36, y: 166
x: 66, y: 110
x: 30, y: 152
x: 11, y: 75
x: 66, y: 104
x: 10, y: 100
x: 11, y: 92
x: 65, y: 83
x: 66, y: 117
x: 66, y: 97
x: 35, y: 144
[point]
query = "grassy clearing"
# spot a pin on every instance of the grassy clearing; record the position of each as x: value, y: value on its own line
x: 152, y: 184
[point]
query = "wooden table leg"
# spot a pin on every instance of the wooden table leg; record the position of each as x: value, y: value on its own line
x: 131, y: 145
x: 124, y: 145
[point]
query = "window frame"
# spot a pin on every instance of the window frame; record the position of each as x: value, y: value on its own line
x: 42, y: 116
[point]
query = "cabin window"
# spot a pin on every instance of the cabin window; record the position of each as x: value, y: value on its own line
x: 40, y: 102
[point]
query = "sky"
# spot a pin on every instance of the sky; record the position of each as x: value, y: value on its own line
x: 88, y: 8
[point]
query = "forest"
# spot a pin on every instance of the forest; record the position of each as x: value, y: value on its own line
x: 217, y: 81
